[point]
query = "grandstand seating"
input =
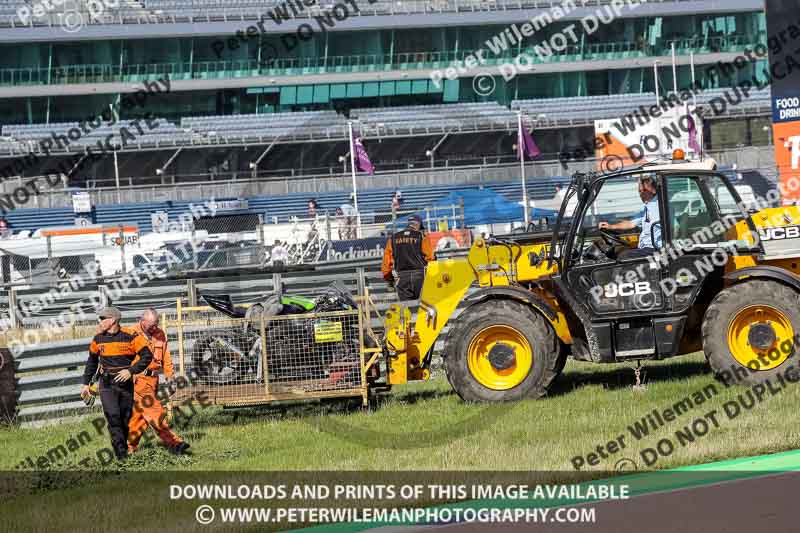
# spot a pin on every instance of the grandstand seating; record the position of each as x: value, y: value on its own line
x: 162, y: 132
x: 282, y: 207
x: 429, y: 119
x: 317, y: 123
x: 458, y: 117
x: 165, y: 11
x: 611, y: 106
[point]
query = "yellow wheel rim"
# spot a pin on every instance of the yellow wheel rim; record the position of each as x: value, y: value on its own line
x: 770, y: 329
x: 499, y: 338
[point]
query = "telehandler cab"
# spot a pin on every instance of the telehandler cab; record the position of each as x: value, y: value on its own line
x: 723, y: 279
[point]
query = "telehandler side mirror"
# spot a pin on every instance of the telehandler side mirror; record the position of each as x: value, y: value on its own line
x: 653, y: 234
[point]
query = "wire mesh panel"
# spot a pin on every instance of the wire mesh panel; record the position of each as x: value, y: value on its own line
x: 261, y: 358
x: 224, y: 357
x: 316, y: 354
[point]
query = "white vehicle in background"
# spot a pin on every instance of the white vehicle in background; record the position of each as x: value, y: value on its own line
x: 66, y: 251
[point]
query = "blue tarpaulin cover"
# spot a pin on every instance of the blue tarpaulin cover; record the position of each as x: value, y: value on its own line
x: 483, y: 206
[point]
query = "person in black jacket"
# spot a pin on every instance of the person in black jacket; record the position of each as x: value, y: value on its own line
x: 116, y: 353
x: 407, y: 253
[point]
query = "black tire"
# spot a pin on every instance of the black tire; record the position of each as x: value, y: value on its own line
x: 525, y: 320
x: 211, y: 361
x: 562, y: 358
x: 722, y: 311
x: 8, y: 396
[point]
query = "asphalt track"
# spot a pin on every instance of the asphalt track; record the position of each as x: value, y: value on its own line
x: 746, y: 505
x: 743, y: 495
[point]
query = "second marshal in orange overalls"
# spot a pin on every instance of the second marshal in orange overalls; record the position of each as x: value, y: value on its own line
x: 148, y: 410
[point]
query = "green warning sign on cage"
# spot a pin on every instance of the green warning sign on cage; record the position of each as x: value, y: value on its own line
x: 328, y: 332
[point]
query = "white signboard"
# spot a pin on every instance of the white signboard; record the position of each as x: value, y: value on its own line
x: 81, y: 202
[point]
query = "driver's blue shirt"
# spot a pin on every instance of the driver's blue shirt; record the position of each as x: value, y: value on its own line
x: 649, y: 216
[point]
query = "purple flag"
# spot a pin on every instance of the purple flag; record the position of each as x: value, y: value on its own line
x: 693, y: 144
x: 363, y: 164
x: 526, y: 142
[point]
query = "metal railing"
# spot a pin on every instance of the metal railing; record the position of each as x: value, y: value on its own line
x: 289, y: 66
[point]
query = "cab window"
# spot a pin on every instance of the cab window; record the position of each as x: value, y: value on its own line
x: 721, y: 193
x: 700, y: 209
x: 617, y: 200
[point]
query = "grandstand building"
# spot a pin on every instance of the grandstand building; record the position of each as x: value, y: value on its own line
x: 264, y: 89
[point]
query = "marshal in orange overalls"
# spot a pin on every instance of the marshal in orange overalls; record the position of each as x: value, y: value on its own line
x: 147, y: 408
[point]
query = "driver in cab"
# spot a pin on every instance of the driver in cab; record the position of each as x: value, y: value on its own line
x: 648, y: 217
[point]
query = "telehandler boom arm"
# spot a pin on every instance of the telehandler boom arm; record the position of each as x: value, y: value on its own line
x: 493, y: 263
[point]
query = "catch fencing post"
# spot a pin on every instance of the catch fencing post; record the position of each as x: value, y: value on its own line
x: 103, y: 291
x: 361, y: 281
x: 181, y: 358
x: 364, y: 391
x: 194, y: 243
x: 122, y: 247
x: 327, y: 226
x: 191, y: 293
x: 277, y: 284
x: 264, y: 353
x: 13, y: 308
x: 50, y: 262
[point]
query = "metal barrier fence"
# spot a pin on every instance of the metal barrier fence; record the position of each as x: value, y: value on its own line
x: 34, y: 308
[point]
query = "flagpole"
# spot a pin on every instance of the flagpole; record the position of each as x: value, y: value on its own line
x: 694, y: 81
x: 655, y: 77
x: 521, y: 150
x: 674, y: 71
x: 353, y: 171
x: 694, y: 102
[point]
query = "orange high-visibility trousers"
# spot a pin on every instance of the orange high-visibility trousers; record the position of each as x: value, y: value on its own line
x: 148, y: 411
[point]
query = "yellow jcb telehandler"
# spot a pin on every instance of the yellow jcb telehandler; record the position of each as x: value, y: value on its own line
x: 722, y: 278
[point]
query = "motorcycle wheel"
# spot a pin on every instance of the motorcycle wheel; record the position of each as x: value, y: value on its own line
x: 215, y: 363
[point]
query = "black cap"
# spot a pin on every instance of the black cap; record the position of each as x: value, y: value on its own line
x: 415, y: 218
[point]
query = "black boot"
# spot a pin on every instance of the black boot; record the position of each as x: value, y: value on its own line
x: 180, y: 449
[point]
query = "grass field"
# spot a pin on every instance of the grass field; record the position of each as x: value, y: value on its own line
x: 427, y: 427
